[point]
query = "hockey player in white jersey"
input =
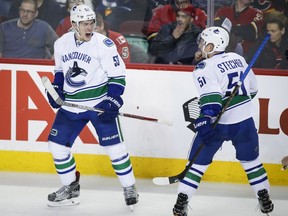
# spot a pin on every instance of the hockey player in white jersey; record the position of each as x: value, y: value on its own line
x: 88, y: 71
x: 215, y: 77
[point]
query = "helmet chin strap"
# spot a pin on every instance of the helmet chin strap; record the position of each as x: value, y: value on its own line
x: 77, y: 32
x: 206, y: 53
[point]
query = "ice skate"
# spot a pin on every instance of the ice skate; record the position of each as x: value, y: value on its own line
x: 131, y: 196
x: 180, y: 208
x: 67, y: 195
x: 266, y: 205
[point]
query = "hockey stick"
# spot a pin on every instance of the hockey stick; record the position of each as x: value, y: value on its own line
x: 180, y: 176
x: 49, y: 87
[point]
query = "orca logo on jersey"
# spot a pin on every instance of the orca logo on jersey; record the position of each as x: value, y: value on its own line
x: 73, y: 72
x: 108, y: 42
x: 201, y: 65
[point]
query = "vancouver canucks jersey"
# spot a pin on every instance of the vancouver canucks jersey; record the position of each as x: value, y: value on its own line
x: 88, y: 68
x: 216, y: 77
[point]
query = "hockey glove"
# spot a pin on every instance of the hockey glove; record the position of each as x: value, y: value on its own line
x: 203, y: 126
x: 60, y: 92
x: 111, y: 107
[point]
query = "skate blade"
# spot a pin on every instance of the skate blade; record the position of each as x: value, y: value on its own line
x: 67, y: 202
x: 131, y: 208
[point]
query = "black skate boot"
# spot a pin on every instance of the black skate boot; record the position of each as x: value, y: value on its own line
x: 180, y: 208
x: 67, y: 195
x: 265, y: 203
x: 131, y: 196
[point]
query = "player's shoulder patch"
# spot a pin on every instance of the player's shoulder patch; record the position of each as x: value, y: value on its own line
x: 200, y: 65
x: 108, y: 42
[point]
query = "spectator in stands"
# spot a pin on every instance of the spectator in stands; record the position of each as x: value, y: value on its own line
x: 176, y: 43
x: 104, y: 7
x: 167, y: 14
x: 62, y: 3
x: 119, y: 40
x: 65, y: 24
x: 116, y: 12
x: 153, y: 5
x: 271, y: 6
x: 48, y: 10
x: 203, y: 4
x: 247, y: 22
x: 273, y: 54
x: 26, y: 36
x: 4, y: 9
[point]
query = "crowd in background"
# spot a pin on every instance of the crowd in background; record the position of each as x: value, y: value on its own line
x: 150, y: 31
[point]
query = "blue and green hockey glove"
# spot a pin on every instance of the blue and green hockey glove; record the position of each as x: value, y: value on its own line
x: 58, y: 86
x: 111, y: 107
x: 204, y: 127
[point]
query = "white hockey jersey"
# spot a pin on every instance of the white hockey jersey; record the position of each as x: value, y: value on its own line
x: 88, y: 67
x: 215, y: 79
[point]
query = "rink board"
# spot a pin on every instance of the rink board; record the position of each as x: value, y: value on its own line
x: 156, y: 149
x: 144, y: 167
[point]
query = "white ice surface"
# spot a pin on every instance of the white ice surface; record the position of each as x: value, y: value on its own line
x: 26, y: 194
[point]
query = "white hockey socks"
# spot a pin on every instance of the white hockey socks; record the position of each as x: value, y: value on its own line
x: 192, y: 180
x: 257, y: 175
x: 121, y: 164
x: 64, y: 162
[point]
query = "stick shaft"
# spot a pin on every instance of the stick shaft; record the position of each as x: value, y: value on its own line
x: 49, y: 87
